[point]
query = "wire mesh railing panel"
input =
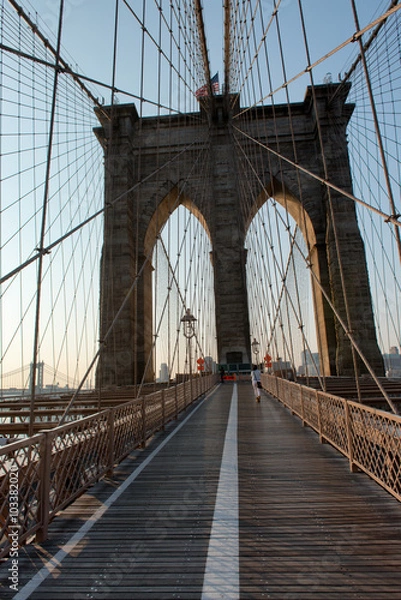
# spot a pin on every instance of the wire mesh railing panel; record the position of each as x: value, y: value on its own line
x: 170, y: 403
x: 181, y: 397
x: 79, y: 457
x: 128, y: 428
x: 376, y: 446
x: 294, y: 400
x: 333, y: 424
x: 310, y: 407
x: 154, y: 413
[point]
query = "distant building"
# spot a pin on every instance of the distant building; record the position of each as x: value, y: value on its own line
x: 283, y: 368
x: 310, y: 364
x: 163, y: 373
x: 210, y: 365
x: 392, y: 362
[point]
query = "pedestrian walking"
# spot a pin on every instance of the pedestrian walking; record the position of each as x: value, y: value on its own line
x: 256, y: 383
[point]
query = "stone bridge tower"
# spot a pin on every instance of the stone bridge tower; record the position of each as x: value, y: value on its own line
x: 138, y: 204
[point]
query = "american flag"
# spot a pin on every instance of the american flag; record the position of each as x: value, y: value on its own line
x: 203, y: 91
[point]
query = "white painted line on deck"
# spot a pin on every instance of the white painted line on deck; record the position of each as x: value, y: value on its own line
x: 221, y: 579
x: 55, y: 562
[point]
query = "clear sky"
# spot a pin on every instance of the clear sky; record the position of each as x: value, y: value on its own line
x: 89, y: 30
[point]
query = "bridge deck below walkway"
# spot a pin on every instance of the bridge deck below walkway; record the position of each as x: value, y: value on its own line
x: 235, y: 500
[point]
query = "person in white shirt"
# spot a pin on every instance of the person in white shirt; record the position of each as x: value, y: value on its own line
x: 255, y: 378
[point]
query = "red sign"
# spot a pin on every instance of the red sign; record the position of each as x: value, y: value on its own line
x: 201, y: 364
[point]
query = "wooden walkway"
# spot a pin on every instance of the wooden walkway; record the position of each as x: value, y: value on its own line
x: 190, y: 517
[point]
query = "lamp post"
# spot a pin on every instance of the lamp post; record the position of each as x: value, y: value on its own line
x: 189, y: 331
x: 255, y: 349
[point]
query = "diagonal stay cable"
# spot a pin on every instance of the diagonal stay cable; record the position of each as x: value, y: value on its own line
x: 346, y: 330
x: 354, y: 38
x: 44, y: 219
x: 388, y: 218
x: 103, y: 342
x: 366, y: 47
x: 379, y: 136
x: 80, y: 76
x: 166, y: 253
x: 129, y: 293
x: 56, y: 52
x: 47, y: 249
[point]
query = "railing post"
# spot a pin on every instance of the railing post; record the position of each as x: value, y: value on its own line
x: 319, y: 418
x: 44, y: 489
x: 110, y: 460
x: 143, y: 418
x: 291, y: 388
x: 163, y: 410
x: 302, y: 405
x: 176, y: 400
x: 348, y: 424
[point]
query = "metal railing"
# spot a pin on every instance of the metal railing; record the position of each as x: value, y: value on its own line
x: 41, y: 475
x: 369, y: 438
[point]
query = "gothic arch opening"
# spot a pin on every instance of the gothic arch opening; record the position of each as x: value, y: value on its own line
x: 163, y: 212
x: 279, y: 192
x: 281, y: 247
x: 182, y: 278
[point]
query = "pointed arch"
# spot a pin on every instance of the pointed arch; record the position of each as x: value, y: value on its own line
x: 278, y: 191
x: 317, y: 259
x: 174, y: 198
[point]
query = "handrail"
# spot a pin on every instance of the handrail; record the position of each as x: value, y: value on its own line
x: 42, y: 474
x: 368, y: 437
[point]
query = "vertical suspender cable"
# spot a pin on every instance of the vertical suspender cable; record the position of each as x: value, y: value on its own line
x: 329, y: 197
x: 104, y: 263
x: 40, y: 248
x: 355, y: 348
x: 1, y: 201
x: 113, y: 83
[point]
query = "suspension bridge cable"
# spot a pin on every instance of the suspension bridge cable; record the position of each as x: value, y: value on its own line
x: 377, y: 129
x: 43, y: 226
x: 322, y: 59
x: 47, y: 249
x: 346, y: 330
x: 275, y: 280
x: 388, y: 218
